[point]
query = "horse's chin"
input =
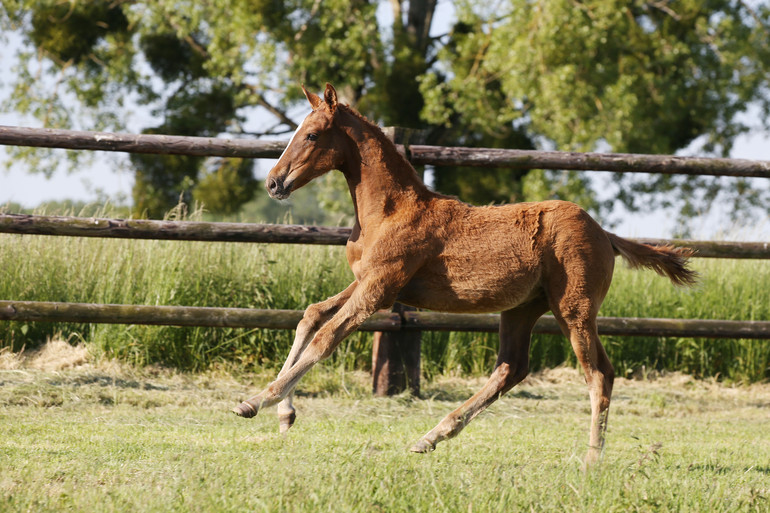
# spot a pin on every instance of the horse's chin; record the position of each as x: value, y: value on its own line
x: 280, y: 196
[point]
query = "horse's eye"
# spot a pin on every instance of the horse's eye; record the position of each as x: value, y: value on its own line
x: 312, y: 137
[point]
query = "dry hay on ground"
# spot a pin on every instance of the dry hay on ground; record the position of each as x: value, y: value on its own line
x: 54, y: 355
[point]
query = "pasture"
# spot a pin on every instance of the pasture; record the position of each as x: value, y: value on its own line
x: 103, y: 436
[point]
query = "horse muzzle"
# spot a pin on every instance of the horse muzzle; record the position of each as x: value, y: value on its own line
x: 277, y: 188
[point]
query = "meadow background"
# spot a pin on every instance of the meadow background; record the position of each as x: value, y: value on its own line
x: 67, y: 269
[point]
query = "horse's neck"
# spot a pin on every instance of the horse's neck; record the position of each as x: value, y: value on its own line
x: 381, y: 181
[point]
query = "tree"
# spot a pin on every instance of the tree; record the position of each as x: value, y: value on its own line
x: 641, y: 76
x: 645, y: 77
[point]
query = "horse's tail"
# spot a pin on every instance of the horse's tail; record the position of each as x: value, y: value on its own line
x: 665, y: 260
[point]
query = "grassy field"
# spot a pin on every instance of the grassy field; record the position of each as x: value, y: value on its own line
x: 108, y: 437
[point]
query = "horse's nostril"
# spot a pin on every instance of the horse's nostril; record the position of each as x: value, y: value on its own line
x: 272, y: 185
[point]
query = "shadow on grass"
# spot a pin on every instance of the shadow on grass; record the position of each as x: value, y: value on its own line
x: 106, y: 381
x: 456, y: 394
x: 723, y: 470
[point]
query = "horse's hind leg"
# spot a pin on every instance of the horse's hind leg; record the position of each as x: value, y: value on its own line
x: 512, y: 366
x: 577, y: 280
x: 599, y: 375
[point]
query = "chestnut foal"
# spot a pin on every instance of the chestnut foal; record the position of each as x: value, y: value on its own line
x: 421, y: 248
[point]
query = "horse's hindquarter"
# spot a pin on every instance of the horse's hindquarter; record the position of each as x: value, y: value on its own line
x: 487, y: 259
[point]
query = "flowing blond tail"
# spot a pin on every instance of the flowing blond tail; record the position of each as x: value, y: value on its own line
x: 666, y: 260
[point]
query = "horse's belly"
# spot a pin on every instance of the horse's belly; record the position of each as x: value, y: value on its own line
x: 479, y: 295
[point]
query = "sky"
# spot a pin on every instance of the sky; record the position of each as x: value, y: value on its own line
x: 105, y: 179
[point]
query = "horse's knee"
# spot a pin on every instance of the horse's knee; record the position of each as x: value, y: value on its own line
x: 603, y: 372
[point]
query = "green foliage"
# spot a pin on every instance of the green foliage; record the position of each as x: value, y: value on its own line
x: 69, y: 33
x: 227, y: 187
x: 639, y: 76
x: 162, y: 180
x: 636, y: 77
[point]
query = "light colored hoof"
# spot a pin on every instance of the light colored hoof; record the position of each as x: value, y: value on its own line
x: 423, y: 446
x: 245, y: 410
x: 286, y: 422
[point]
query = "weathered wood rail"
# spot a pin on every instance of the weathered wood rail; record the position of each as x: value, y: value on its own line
x: 276, y: 233
x: 616, y: 162
x: 139, y: 143
x: 418, y: 154
x: 44, y: 311
x: 172, y: 230
x: 409, y: 321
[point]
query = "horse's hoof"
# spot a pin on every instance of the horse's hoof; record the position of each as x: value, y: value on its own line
x: 423, y: 446
x: 286, y: 422
x: 245, y: 410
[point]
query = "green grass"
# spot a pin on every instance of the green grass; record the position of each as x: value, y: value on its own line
x: 104, y: 440
x: 41, y: 268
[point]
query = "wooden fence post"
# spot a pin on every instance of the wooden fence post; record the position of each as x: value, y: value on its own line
x: 396, y: 355
x: 396, y: 359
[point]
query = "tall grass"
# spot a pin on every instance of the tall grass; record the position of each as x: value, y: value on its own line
x: 68, y: 269
x: 728, y: 289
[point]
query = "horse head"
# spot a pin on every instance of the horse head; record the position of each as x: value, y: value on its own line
x: 314, y: 149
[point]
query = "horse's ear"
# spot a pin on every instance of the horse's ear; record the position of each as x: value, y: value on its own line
x: 330, y: 96
x: 314, y: 100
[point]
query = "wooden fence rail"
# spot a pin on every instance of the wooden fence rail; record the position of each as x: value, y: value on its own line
x: 418, y: 154
x: 172, y: 230
x: 276, y: 233
x: 39, y: 311
x: 139, y: 143
x: 616, y: 162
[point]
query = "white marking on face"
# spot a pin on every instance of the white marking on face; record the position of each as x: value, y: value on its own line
x: 292, y: 139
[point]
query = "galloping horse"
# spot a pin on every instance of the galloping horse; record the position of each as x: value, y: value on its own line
x: 412, y: 245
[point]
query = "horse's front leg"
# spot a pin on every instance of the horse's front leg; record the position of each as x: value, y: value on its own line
x: 363, y: 302
x: 314, y: 317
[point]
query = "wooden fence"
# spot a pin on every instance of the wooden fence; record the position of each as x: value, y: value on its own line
x: 278, y: 233
x: 407, y: 321
x: 400, y: 321
x: 418, y: 154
